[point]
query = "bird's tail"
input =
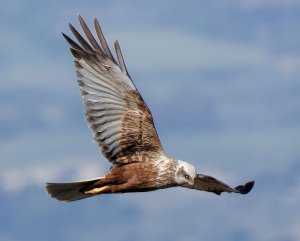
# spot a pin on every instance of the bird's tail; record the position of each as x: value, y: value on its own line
x: 70, y: 191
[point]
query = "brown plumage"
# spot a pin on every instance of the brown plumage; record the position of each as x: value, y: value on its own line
x: 123, y: 127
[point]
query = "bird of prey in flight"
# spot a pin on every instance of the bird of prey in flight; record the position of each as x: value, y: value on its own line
x: 123, y: 127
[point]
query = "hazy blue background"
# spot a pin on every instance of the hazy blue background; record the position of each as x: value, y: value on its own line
x: 222, y: 81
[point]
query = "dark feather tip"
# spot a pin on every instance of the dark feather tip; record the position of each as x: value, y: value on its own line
x: 244, y: 189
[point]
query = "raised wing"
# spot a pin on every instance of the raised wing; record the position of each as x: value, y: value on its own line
x: 210, y: 184
x: 120, y: 120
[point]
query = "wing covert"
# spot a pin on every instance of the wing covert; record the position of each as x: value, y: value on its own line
x: 120, y: 120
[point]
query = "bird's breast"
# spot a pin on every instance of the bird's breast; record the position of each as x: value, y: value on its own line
x: 149, y: 175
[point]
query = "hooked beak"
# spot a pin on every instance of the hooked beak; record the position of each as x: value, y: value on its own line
x: 189, y: 184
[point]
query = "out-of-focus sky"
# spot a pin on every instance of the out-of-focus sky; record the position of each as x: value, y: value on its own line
x: 222, y: 79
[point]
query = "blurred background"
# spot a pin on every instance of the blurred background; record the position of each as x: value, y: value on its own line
x: 222, y: 81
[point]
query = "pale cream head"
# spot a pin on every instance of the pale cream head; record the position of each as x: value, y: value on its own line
x: 185, y: 173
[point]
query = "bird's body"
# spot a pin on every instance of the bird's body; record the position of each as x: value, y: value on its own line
x: 139, y: 177
x: 123, y: 127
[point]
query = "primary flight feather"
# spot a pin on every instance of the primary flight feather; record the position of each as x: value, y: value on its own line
x: 123, y: 127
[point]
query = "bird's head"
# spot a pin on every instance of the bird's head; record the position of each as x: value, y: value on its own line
x: 185, y: 174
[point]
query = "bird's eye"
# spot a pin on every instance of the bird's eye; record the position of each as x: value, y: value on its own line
x: 187, y: 176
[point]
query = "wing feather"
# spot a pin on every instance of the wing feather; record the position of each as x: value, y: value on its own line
x: 120, y: 57
x: 102, y: 40
x: 120, y: 120
x: 89, y: 35
x: 211, y: 184
x: 81, y: 40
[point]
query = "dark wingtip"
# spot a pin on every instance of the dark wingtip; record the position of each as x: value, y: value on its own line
x: 244, y: 189
x: 64, y: 35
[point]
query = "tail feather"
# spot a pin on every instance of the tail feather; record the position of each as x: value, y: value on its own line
x: 70, y: 191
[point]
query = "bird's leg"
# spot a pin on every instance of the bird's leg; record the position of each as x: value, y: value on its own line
x: 98, y: 190
x: 108, y: 184
x: 100, y: 186
x: 119, y: 188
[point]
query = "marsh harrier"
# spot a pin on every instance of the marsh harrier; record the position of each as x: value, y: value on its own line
x: 123, y: 127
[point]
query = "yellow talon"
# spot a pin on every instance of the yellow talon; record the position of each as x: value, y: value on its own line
x: 95, y: 190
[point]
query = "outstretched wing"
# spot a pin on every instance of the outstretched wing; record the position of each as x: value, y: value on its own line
x: 120, y: 120
x: 210, y: 184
